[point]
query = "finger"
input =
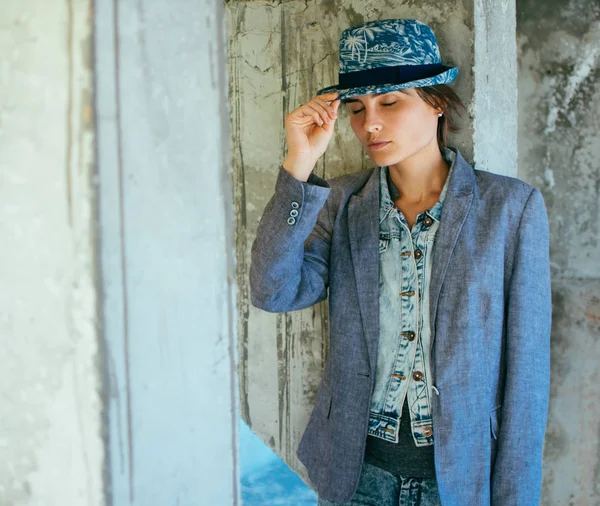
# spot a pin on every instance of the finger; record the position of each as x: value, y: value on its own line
x: 329, y: 97
x: 311, y: 113
x: 330, y: 94
x: 316, y: 106
x: 322, y: 109
x: 331, y: 110
x: 304, y: 111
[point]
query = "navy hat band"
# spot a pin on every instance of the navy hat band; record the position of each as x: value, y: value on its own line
x: 398, y: 74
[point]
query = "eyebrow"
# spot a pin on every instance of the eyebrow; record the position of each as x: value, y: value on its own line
x: 350, y: 100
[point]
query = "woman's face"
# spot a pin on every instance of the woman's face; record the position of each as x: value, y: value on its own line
x: 402, y: 118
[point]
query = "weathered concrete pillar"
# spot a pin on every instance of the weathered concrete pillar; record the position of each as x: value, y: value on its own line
x: 167, y: 256
x: 51, y: 448
x: 279, y: 55
x: 118, y: 377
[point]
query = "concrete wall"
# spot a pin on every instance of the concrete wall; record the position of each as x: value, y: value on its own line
x: 559, y: 152
x: 51, y: 449
x: 280, y: 54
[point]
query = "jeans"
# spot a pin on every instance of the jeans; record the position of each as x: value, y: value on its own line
x: 378, y: 487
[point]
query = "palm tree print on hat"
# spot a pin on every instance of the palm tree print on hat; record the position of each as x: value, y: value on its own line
x: 385, y: 42
x: 354, y: 43
x: 367, y: 32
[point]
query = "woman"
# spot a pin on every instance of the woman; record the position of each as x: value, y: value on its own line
x: 436, y: 385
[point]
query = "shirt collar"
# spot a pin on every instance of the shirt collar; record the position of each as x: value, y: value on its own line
x: 389, y: 193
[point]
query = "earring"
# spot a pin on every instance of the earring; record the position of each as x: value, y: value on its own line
x: 439, y: 114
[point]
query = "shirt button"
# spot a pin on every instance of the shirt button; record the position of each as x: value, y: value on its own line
x: 427, y: 431
x: 427, y: 221
x: 410, y: 335
x: 295, y: 205
x: 418, y: 254
x: 417, y: 375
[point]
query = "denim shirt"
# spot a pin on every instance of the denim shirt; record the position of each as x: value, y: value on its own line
x: 403, y: 366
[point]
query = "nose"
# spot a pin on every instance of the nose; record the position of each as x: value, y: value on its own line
x: 372, y: 122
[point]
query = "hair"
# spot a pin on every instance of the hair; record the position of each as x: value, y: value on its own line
x: 444, y: 97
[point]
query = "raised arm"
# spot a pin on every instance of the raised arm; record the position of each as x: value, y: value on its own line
x: 289, y: 267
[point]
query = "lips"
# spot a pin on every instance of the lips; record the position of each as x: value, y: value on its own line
x: 378, y: 144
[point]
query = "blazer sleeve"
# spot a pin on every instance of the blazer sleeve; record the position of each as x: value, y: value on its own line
x: 289, y: 266
x: 517, y: 474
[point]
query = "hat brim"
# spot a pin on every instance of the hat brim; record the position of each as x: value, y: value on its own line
x: 443, y: 78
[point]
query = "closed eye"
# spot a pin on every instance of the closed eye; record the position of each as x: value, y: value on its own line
x: 360, y: 110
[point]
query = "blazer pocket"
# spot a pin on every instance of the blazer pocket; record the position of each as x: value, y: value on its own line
x: 494, y: 421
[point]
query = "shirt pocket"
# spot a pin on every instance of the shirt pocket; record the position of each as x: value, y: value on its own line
x: 384, y: 241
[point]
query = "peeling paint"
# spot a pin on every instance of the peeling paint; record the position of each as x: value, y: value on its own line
x: 589, y: 51
x: 549, y: 178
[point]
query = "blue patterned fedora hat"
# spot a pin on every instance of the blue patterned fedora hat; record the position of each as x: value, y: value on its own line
x: 387, y: 55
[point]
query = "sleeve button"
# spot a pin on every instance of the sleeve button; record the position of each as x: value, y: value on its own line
x: 295, y: 205
x: 291, y: 220
x: 293, y: 213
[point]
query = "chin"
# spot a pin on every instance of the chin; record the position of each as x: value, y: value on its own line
x: 383, y: 159
x: 393, y: 157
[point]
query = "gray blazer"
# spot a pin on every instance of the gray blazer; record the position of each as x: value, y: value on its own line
x: 490, y: 317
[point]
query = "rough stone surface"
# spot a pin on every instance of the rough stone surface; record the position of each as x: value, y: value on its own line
x: 559, y: 149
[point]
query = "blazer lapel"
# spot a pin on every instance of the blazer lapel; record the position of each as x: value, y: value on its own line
x: 455, y: 208
x: 363, y: 228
